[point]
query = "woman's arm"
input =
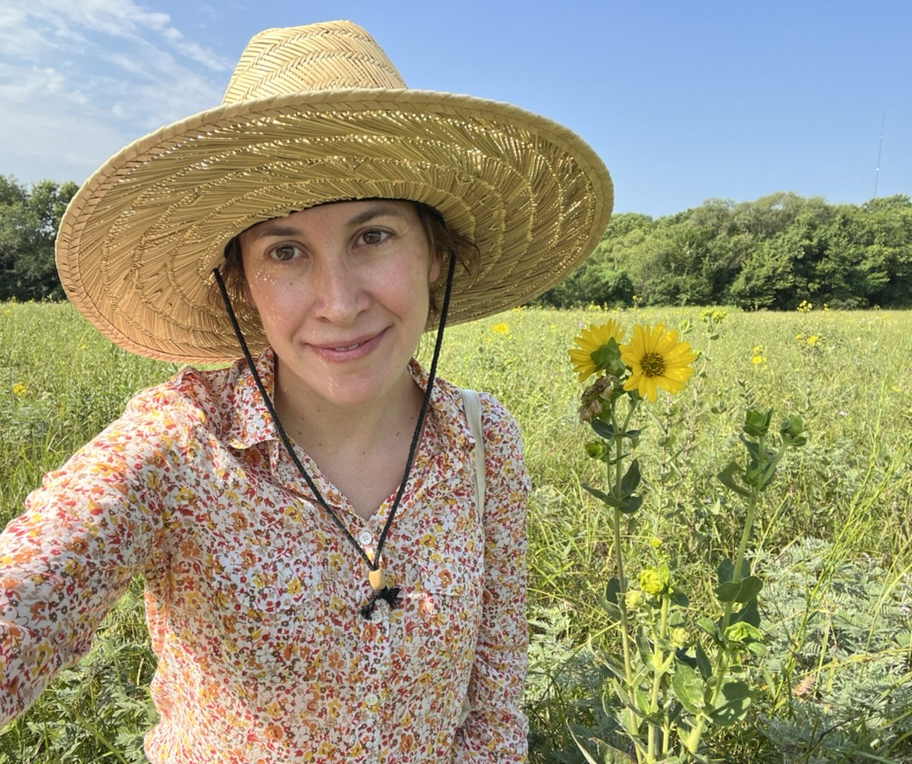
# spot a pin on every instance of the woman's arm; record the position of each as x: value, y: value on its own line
x: 495, y: 728
x: 66, y: 559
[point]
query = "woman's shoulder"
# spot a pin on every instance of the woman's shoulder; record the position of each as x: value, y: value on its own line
x: 190, y: 397
x: 496, y: 420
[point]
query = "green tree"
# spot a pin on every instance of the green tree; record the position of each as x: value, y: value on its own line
x: 29, y: 218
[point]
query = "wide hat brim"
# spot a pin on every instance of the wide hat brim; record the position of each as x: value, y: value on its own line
x: 138, y: 242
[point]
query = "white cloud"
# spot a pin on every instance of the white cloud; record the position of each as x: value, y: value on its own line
x: 84, y: 78
x: 47, y: 139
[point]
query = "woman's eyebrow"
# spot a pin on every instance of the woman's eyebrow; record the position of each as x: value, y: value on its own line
x: 374, y: 211
x: 271, y: 228
x: 275, y: 228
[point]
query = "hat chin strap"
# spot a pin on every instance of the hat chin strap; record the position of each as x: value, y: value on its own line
x: 376, y: 576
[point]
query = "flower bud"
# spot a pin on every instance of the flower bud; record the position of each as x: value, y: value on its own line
x: 651, y: 581
x: 679, y: 636
x: 633, y: 599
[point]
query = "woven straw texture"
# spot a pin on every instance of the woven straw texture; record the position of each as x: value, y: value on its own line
x: 317, y: 114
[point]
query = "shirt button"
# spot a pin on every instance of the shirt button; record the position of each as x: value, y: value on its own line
x: 365, y: 537
x: 371, y: 700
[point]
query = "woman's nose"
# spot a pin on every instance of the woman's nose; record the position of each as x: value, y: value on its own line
x: 339, y: 295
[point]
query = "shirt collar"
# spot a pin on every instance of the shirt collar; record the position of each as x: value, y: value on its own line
x: 251, y: 423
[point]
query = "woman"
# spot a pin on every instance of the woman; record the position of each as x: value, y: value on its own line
x: 332, y: 542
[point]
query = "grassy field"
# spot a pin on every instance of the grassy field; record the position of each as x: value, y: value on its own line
x: 832, y: 540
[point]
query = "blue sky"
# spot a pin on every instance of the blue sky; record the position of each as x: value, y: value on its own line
x: 684, y: 101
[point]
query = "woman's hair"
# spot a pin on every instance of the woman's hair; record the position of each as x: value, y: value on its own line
x: 441, y: 239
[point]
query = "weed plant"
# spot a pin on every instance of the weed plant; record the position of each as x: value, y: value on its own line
x: 832, y: 545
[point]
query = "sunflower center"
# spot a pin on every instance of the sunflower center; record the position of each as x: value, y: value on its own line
x: 653, y: 364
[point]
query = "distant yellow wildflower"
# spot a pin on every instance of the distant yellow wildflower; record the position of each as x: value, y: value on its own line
x: 501, y: 328
x: 656, y: 358
x: 19, y: 389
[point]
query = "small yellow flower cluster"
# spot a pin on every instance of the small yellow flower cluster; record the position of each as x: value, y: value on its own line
x: 501, y: 328
x: 714, y: 315
x: 19, y: 389
x: 757, y: 356
x: 811, y: 341
x: 805, y: 307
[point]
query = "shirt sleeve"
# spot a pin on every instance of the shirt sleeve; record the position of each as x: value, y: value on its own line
x: 66, y: 559
x: 495, y: 728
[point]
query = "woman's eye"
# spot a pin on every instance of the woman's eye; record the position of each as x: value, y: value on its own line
x: 284, y: 252
x: 374, y: 237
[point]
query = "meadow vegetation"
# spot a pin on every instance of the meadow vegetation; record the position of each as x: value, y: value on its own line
x: 831, y: 538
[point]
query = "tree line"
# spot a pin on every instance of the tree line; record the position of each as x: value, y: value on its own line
x: 771, y: 253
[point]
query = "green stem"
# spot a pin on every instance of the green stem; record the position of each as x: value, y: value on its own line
x: 722, y: 666
x: 618, y: 444
x: 658, y: 660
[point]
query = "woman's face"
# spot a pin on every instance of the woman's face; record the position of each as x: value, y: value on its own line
x: 342, y: 291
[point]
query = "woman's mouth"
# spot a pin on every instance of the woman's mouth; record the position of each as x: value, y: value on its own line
x: 349, y: 351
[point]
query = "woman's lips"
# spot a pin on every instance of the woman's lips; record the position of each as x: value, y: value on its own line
x: 348, y: 351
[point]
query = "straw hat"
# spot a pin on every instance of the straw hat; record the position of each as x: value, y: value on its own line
x: 315, y: 114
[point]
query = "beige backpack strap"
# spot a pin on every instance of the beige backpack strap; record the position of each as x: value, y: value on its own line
x: 472, y: 407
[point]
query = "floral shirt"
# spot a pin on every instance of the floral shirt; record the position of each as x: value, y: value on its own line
x: 253, y: 595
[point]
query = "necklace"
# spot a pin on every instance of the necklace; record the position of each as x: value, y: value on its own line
x: 376, y: 576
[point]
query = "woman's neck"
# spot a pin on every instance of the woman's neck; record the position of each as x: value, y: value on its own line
x: 362, y: 452
x: 321, y: 426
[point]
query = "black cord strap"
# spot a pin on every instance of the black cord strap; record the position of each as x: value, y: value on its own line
x: 386, y: 593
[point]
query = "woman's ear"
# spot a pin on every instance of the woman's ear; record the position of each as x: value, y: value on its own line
x: 436, y: 267
x: 248, y: 295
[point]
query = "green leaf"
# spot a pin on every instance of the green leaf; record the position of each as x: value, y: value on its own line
x: 791, y: 431
x: 756, y: 422
x: 602, y: 496
x: 709, y: 626
x: 612, y: 590
x: 749, y: 589
x: 688, y: 687
x: 703, y: 662
x: 753, y: 449
x: 731, y: 707
x: 602, y: 429
x: 727, y: 476
x: 643, y: 645
x: 728, y: 592
x: 750, y: 613
x: 725, y: 572
x: 679, y: 599
x: 610, y: 600
x: 631, y: 504
x: 631, y: 478
x: 741, y: 591
x: 597, y: 751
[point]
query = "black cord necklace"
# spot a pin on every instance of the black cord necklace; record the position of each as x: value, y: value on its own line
x: 376, y: 576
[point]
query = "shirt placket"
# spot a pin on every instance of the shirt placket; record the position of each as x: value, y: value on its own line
x: 375, y: 638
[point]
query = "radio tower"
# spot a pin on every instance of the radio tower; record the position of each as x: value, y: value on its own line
x: 883, y: 121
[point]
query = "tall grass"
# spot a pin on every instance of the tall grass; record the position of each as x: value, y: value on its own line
x: 833, y: 542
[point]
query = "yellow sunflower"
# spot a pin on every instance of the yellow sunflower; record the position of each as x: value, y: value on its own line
x: 588, y: 342
x: 656, y: 358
